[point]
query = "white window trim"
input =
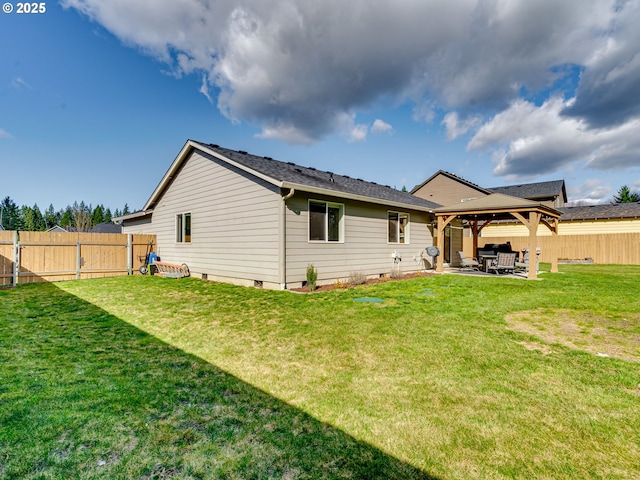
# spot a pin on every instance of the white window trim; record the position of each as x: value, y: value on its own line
x: 407, y: 233
x: 182, y: 233
x: 341, y: 225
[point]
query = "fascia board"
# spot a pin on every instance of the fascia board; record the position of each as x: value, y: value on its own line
x: 352, y: 196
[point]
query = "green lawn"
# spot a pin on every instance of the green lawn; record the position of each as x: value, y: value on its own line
x: 450, y: 377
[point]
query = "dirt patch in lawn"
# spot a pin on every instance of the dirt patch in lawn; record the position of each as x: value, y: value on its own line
x: 604, y: 336
x: 344, y: 284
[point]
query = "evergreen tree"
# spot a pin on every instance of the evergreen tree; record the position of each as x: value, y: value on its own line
x: 51, y: 218
x: 97, y: 216
x: 33, y: 221
x: 125, y: 210
x: 625, y: 195
x: 107, y: 215
x: 66, y: 217
x: 11, y: 219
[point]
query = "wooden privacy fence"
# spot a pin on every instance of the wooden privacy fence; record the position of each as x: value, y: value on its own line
x: 615, y: 248
x: 27, y: 257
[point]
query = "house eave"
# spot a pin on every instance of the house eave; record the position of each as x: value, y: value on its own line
x: 352, y: 196
x: 132, y: 216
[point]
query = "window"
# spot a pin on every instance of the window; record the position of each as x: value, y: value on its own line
x: 326, y: 222
x: 183, y: 228
x: 398, y: 227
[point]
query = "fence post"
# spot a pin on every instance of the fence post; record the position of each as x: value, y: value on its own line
x: 129, y: 255
x: 16, y: 258
x: 78, y: 261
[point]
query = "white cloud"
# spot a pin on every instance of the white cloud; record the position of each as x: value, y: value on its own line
x: 301, y: 70
x: 528, y: 140
x: 5, y: 134
x: 380, y: 126
x: 204, y: 89
x: 19, y: 84
x: 352, y: 131
x: 286, y: 133
x: 456, y: 126
x: 591, y: 192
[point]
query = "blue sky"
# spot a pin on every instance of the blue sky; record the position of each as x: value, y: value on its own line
x: 98, y: 97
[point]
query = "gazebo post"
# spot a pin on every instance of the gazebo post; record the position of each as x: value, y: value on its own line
x: 554, y: 235
x: 534, y: 220
x: 474, y: 231
x: 440, y: 245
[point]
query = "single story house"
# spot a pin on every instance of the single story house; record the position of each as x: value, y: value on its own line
x: 252, y: 220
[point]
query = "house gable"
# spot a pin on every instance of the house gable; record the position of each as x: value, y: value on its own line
x: 233, y: 219
x: 448, y: 189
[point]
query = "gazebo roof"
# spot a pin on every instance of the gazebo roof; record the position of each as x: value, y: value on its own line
x: 496, y: 206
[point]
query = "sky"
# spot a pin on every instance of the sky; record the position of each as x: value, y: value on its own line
x: 97, y: 97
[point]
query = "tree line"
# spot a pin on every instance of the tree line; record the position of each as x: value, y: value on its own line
x: 79, y: 216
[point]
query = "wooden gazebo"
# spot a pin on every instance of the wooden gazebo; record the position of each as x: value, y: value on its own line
x: 481, y: 212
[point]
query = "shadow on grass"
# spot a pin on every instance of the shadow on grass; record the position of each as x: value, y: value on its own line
x: 84, y: 394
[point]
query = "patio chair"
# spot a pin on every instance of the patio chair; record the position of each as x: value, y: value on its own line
x: 465, y: 262
x: 504, y: 263
x: 524, y: 264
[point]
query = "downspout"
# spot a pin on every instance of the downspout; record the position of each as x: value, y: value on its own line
x: 282, y: 239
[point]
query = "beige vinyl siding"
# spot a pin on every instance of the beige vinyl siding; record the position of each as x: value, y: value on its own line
x: 585, y: 227
x: 138, y: 225
x: 365, y: 248
x: 445, y: 191
x: 234, y: 222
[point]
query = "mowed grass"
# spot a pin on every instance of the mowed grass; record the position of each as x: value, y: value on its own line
x: 449, y: 377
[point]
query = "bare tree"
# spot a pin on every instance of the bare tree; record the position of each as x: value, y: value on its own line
x: 81, y: 216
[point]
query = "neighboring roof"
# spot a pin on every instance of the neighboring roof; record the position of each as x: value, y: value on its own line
x: 57, y: 228
x: 454, y: 177
x: 532, y: 191
x: 496, y: 203
x: 107, y: 227
x: 288, y: 175
x: 601, y: 212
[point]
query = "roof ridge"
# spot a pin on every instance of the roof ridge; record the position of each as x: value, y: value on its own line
x: 307, y: 176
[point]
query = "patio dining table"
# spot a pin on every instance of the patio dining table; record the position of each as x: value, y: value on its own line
x: 486, y: 261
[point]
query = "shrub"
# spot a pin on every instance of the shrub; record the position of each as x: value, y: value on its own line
x: 312, y: 277
x: 341, y: 283
x: 357, y: 278
x: 396, y: 273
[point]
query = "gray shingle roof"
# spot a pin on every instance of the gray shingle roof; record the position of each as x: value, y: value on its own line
x: 533, y: 190
x: 311, y: 177
x: 601, y: 212
x: 107, y: 227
